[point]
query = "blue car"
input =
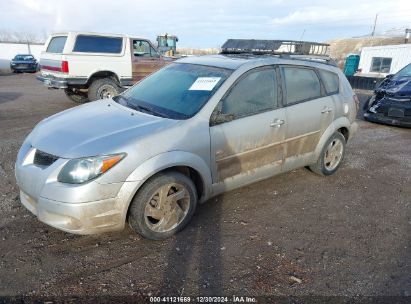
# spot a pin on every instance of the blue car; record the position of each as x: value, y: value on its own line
x: 24, y: 63
x: 391, y: 102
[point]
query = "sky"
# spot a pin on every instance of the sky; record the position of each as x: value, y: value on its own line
x: 204, y: 24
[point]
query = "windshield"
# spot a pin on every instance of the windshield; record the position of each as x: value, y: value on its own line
x: 177, y: 91
x: 404, y: 72
x: 23, y: 57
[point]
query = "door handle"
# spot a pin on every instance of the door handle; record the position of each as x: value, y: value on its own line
x: 277, y: 123
x: 326, y: 110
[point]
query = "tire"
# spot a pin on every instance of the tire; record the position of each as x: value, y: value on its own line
x: 103, y: 88
x: 158, y: 220
x: 77, y: 97
x: 327, y: 163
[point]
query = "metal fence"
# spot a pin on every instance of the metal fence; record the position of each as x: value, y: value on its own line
x: 364, y: 83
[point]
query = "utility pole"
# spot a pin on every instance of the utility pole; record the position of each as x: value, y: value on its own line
x: 375, y: 24
x: 302, y: 35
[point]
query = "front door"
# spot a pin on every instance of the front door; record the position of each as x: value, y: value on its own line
x: 247, y: 131
x: 145, y: 59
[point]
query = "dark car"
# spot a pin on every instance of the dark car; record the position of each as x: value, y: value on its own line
x: 391, y: 102
x: 24, y: 63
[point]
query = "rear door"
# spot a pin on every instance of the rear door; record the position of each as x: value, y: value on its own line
x: 249, y: 144
x: 145, y: 59
x: 308, y: 113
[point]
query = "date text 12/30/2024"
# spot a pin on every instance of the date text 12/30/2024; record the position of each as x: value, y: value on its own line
x: 199, y: 299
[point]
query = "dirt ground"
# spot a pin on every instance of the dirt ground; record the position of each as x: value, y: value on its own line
x: 295, y: 234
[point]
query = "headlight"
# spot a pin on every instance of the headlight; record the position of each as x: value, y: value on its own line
x: 81, y: 170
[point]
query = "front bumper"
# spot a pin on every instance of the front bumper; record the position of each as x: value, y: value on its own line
x: 27, y: 68
x: 393, y: 121
x: 81, y: 209
x: 82, y: 218
x: 389, y: 110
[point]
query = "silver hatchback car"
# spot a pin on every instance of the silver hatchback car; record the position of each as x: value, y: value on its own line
x: 196, y: 128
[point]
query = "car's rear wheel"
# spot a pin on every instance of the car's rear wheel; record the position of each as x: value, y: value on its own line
x: 103, y: 88
x: 331, y: 155
x: 163, y: 205
x: 76, y: 96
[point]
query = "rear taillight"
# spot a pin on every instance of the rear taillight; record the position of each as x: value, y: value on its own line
x: 357, y: 102
x: 64, y: 66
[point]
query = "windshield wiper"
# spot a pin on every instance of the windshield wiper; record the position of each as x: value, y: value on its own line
x: 120, y: 99
x: 124, y: 101
x: 149, y: 111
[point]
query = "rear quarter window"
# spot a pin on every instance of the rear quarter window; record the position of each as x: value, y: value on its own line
x: 331, y: 82
x: 56, y: 44
x: 98, y: 44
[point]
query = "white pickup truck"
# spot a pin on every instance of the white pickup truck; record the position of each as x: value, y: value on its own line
x: 91, y: 66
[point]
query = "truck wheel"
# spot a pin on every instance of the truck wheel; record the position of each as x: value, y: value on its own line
x: 163, y: 205
x: 103, y: 88
x: 76, y: 96
x: 331, y: 155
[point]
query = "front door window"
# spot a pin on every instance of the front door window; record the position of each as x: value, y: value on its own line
x: 141, y: 48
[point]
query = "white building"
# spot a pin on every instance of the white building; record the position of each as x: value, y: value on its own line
x: 379, y: 61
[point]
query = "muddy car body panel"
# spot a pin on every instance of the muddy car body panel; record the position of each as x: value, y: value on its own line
x: 218, y: 155
x: 391, y: 102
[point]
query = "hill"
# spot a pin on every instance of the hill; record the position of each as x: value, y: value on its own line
x: 340, y: 48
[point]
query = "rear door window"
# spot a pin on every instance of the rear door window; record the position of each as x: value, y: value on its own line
x: 301, y: 84
x: 98, y: 44
x: 330, y: 81
x: 56, y: 44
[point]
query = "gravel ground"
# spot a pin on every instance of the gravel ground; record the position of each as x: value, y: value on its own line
x: 295, y: 234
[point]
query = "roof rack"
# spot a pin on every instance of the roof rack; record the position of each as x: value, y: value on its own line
x: 315, y: 58
x: 275, y: 47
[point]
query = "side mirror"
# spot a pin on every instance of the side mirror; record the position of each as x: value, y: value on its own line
x: 218, y: 118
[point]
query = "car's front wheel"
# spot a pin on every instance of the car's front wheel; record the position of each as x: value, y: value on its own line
x: 331, y: 155
x: 163, y: 205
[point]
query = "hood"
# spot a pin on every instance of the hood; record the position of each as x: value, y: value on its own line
x: 397, y: 87
x: 96, y: 128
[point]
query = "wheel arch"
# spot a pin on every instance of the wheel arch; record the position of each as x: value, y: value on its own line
x: 341, y: 125
x: 101, y: 75
x: 345, y: 132
x: 186, y: 163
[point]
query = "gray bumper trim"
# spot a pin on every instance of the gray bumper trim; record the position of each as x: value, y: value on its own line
x: 53, y: 82
x: 60, y: 83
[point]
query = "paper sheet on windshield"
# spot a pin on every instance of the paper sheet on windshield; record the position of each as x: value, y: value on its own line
x: 204, y: 83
